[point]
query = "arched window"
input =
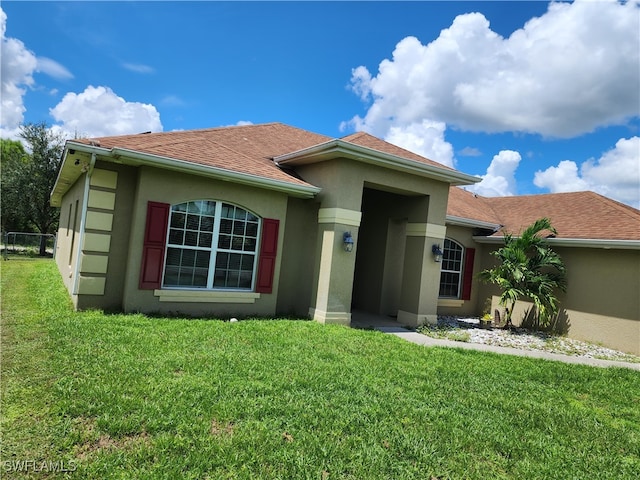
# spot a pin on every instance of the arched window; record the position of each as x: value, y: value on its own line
x: 451, y: 270
x: 211, y: 245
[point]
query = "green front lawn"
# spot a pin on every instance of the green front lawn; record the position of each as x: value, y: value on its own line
x: 127, y: 396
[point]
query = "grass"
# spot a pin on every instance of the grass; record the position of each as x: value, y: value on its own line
x: 444, y: 332
x: 126, y: 396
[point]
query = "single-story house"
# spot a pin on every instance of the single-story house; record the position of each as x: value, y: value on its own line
x: 270, y: 220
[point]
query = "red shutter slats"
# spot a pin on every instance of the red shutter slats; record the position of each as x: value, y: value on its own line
x: 467, y: 278
x: 155, y: 235
x: 267, y: 259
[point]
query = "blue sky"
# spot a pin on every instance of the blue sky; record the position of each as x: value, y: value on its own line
x: 533, y: 97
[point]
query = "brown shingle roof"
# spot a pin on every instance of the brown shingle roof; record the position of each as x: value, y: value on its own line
x: 244, y: 149
x: 250, y: 150
x: 365, y: 140
x: 580, y: 215
x: 468, y: 205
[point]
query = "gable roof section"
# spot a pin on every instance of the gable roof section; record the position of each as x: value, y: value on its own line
x: 364, y: 139
x: 368, y: 149
x: 239, y: 153
x: 246, y: 154
x: 579, y: 217
x: 243, y: 149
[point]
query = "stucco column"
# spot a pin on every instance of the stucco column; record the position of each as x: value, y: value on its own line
x: 421, y: 275
x: 336, y: 267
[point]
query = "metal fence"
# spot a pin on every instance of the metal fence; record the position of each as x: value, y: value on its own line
x: 27, y: 245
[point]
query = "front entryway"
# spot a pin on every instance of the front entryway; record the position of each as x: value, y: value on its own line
x: 379, y: 267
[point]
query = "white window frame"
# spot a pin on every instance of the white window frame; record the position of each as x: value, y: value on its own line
x: 213, y: 250
x: 459, y: 272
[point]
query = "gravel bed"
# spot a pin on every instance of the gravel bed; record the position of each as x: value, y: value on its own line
x: 467, y: 330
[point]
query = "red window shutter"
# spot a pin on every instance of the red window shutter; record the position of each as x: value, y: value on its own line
x: 467, y: 278
x: 155, y: 235
x: 268, y: 250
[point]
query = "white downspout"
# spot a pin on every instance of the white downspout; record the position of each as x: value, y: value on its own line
x: 83, y: 220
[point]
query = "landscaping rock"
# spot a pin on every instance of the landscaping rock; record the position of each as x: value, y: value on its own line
x: 523, y: 339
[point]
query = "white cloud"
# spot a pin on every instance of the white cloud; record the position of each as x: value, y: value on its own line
x: 426, y: 139
x: 565, y: 73
x: 563, y: 178
x: 616, y: 174
x: 18, y: 65
x: 99, y: 112
x: 361, y: 82
x: 138, y: 68
x: 470, y: 152
x: 500, y: 180
x: 53, y: 69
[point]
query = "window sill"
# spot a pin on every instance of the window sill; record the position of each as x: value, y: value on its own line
x: 450, y: 302
x: 197, y: 296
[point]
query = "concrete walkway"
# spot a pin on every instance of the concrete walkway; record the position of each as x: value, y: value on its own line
x: 382, y: 324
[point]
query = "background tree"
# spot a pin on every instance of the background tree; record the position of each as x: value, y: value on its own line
x: 29, y: 182
x: 528, y: 268
x: 12, y: 160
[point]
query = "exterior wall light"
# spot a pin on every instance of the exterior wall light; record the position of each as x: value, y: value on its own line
x: 347, y: 241
x: 437, y: 253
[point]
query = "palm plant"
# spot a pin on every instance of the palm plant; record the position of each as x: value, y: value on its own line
x: 528, y: 267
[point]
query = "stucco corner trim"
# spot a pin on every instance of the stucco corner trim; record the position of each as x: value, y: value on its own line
x: 96, y: 242
x: 340, y: 215
x: 93, y: 263
x: 104, y: 178
x: 197, y: 296
x: 103, y: 200
x: 426, y: 230
x: 99, y: 221
x: 89, y: 285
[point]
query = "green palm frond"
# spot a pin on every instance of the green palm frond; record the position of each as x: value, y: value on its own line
x: 528, y: 267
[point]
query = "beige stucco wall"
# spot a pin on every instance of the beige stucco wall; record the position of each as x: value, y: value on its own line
x: 601, y: 304
x: 68, y: 234
x: 298, y: 258
x: 423, y: 205
x: 171, y: 187
x: 116, y: 205
x: 314, y: 275
x: 93, y: 275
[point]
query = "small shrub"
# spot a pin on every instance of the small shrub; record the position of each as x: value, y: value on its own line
x: 443, y: 332
x: 459, y: 336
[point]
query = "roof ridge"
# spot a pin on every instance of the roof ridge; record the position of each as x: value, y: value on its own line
x: 189, y: 131
x: 622, y: 207
x: 354, y: 135
x: 483, y: 199
x: 400, y: 151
